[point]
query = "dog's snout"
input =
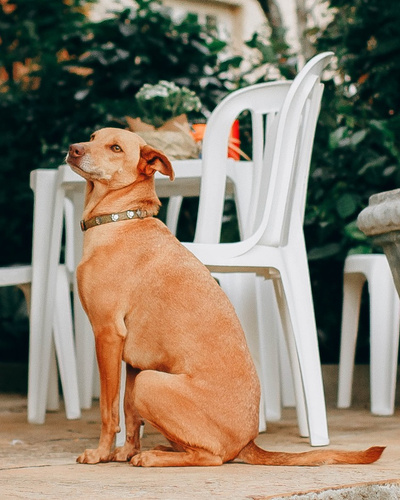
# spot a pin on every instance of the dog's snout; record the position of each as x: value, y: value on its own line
x: 76, y: 150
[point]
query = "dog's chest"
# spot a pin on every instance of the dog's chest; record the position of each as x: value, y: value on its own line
x: 127, y: 269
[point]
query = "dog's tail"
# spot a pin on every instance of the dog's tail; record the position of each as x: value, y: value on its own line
x: 252, y: 454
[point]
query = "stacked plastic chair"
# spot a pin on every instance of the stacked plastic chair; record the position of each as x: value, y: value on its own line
x: 384, y: 312
x: 274, y: 247
x: 43, y: 387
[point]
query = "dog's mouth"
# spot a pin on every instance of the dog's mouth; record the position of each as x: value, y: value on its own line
x: 75, y: 164
x: 83, y: 167
x: 72, y: 162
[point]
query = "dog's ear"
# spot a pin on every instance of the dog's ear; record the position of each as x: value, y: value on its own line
x: 151, y: 160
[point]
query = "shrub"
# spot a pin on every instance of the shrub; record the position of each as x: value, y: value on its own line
x: 357, y: 149
x: 79, y: 76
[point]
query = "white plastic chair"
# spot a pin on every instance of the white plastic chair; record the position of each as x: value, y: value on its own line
x: 21, y: 276
x: 274, y: 247
x: 243, y: 289
x: 51, y: 333
x: 240, y: 178
x: 384, y: 311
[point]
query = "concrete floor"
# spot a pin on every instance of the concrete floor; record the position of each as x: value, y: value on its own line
x: 39, y: 461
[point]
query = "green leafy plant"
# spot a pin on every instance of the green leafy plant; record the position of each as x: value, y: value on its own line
x: 356, y: 150
x: 156, y: 104
x: 80, y: 75
x: 64, y: 76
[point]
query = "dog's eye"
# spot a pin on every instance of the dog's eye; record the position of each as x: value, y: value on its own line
x: 116, y: 148
x: 92, y: 138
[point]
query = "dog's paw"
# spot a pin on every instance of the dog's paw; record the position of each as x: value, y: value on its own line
x: 123, y: 454
x: 93, y: 457
x: 150, y: 458
x: 139, y: 460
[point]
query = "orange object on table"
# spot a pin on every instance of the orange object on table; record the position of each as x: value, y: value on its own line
x: 234, y: 141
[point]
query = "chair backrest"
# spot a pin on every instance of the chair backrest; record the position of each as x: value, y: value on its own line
x: 286, y: 189
x: 264, y: 101
x: 284, y: 121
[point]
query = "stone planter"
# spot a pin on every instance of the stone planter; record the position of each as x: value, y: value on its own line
x: 381, y: 221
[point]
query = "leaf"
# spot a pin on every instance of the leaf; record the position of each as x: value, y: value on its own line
x: 335, y: 137
x: 267, y: 52
x: 390, y: 170
x: 216, y: 46
x: 375, y: 163
x: 363, y: 249
x: 378, y: 125
x: 252, y: 43
x: 81, y: 94
x: 346, y: 205
x: 358, y: 137
x: 352, y: 231
x: 204, y: 49
x: 232, y: 62
x: 324, y: 252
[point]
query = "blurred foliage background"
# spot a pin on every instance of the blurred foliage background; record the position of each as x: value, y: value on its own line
x: 63, y: 75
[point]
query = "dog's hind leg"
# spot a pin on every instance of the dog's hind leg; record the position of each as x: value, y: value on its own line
x: 179, y: 410
x: 132, y: 421
x: 158, y: 458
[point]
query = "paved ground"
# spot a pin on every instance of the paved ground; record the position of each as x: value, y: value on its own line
x: 38, y: 462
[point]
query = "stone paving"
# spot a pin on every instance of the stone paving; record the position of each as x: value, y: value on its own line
x: 38, y: 461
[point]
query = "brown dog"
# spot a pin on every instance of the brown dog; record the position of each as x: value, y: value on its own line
x: 154, y: 305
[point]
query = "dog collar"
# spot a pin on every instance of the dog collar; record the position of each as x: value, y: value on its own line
x: 116, y: 217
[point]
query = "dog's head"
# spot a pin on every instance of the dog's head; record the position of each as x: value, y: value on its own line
x: 117, y: 157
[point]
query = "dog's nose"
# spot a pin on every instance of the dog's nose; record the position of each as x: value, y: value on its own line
x: 76, y: 150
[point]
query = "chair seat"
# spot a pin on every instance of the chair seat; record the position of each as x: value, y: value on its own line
x: 15, y: 275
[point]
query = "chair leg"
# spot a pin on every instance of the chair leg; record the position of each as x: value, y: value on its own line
x: 40, y: 318
x: 301, y: 330
x: 285, y: 373
x: 384, y: 339
x: 241, y: 291
x: 268, y: 328
x: 84, y: 338
x: 85, y: 353
x: 64, y: 342
x: 352, y: 290
x: 53, y: 399
x: 53, y: 396
x: 26, y: 290
x: 38, y: 379
x: 302, y: 418
x: 173, y: 211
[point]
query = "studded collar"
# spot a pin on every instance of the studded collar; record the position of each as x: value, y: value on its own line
x: 115, y: 217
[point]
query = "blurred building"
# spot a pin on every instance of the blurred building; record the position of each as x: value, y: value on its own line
x: 237, y: 20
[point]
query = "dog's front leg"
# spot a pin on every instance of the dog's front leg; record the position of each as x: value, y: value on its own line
x: 109, y: 346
